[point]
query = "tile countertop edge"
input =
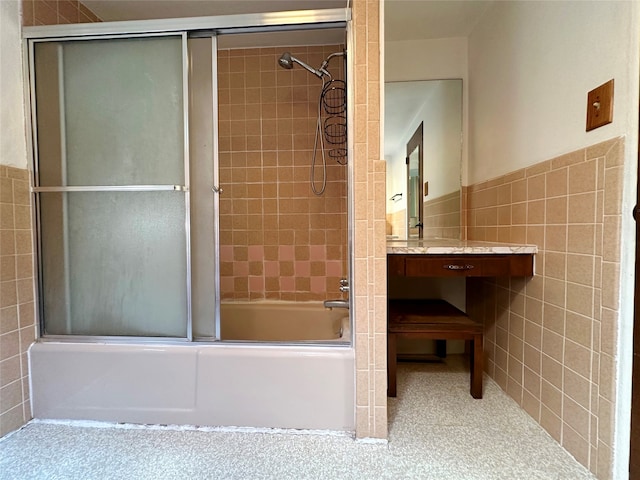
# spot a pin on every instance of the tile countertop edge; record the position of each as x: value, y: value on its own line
x: 434, y: 247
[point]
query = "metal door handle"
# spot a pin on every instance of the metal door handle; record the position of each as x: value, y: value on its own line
x: 458, y: 267
x: 217, y: 189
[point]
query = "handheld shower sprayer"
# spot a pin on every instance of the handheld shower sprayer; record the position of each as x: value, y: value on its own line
x: 334, y: 127
x: 287, y: 60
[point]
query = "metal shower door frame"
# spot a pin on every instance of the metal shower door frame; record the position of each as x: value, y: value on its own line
x: 186, y: 27
x: 37, y: 189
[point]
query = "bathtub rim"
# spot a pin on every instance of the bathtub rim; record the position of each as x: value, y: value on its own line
x: 184, y: 342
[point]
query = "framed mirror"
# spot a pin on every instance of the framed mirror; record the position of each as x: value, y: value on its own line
x: 423, y: 182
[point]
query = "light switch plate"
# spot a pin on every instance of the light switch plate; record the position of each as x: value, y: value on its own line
x: 600, y: 106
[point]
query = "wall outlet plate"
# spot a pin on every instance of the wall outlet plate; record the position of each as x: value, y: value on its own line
x: 600, y: 106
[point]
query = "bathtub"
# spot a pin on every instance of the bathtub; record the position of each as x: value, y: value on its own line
x: 206, y: 384
x: 283, y: 322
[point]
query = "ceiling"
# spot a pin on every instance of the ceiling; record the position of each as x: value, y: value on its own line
x: 425, y: 19
x: 404, y: 19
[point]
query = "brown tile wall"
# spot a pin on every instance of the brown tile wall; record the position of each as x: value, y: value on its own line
x: 17, y: 324
x: 369, y: 234
x: 278, y: 240
x: 396, y: 223
x: 551, y: 339
x: 441, y: 216
x: 55, y: 12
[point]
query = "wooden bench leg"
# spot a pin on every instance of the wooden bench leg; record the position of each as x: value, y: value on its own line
x: 476, y: 360
x: 392, y: 364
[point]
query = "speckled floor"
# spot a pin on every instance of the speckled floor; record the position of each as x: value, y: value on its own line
x: 437, y: 431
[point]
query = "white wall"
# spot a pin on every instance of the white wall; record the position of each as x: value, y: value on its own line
x: 531, y: 65
x: 434, y: 59
x: 442, y: 117
x: 12, y: 119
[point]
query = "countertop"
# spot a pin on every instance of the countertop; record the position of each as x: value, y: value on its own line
x: 445, y: 246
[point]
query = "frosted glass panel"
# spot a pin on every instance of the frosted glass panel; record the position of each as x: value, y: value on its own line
x: 113, y: 263
x: 116, y: 108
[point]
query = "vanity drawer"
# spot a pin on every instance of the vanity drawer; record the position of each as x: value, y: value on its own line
x: 456, y: 266
x: 460, y: 265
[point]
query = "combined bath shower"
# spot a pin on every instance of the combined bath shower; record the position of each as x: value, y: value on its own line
x: 333, y: 97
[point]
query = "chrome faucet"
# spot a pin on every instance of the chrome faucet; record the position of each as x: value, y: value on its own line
x: 340, y: 303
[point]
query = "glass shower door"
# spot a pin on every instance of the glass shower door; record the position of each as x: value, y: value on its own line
x: 111, y: 186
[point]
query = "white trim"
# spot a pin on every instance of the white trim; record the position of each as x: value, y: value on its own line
x: 226, y: 22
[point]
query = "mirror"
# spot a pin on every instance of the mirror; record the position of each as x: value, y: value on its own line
x: 423, y: 150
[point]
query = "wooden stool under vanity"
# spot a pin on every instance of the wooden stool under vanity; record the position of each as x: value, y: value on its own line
x: 437, y: 319
x: 434, y: 320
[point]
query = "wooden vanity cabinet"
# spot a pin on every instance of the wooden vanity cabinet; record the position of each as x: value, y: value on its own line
x: 460, y: 265
x: 437, y: 320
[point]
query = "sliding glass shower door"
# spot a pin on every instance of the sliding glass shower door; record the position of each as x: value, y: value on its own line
x: 111, y: 186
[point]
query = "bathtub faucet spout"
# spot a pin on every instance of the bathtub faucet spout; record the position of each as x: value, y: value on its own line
x: 331, y: 304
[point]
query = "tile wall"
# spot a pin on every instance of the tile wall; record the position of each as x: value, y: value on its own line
x: 551, y: 340
x: 441, y: 216
x: 397, y: 223
x: 278, y: 240
x: 369, y: 235
x: 54, y: 12
x: 17, y: 324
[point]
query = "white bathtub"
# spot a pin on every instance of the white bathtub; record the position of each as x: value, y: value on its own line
x: 283, y: 322
x: 265, y: 386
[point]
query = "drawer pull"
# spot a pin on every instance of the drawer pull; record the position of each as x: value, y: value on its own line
x: 458, y: 267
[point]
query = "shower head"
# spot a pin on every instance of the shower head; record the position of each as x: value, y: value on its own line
x: 287, y: 60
